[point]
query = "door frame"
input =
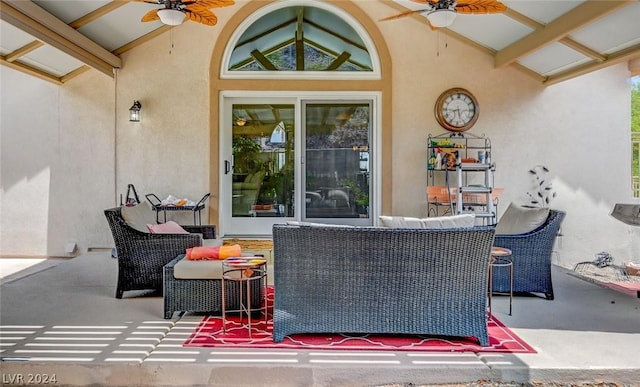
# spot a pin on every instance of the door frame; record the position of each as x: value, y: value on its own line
x: 261, y: 227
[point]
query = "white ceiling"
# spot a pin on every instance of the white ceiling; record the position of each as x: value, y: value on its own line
x: 551, y: 40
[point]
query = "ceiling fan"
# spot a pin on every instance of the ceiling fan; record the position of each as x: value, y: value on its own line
x: 442, y: 13
x: 175, y: 12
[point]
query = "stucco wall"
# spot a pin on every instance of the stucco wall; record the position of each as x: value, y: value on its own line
x: 60, y: 144
x: 168, y: 151
x: 56, y: 163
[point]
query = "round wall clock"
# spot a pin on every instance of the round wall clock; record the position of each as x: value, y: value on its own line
x: 457, y: 110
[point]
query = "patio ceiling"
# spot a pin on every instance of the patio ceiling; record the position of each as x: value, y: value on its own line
x: 550, y: 40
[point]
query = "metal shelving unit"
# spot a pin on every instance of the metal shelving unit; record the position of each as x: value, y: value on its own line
x: 468, y: 157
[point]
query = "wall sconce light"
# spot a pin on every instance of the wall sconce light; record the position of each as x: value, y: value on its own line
x: 134, y: 111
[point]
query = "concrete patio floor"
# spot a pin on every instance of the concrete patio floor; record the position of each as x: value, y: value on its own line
x: 59, y: 317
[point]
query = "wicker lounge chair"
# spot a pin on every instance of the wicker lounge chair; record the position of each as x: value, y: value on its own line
x: 531, y: 258
x: 141, y: 256
x: 381, y: 280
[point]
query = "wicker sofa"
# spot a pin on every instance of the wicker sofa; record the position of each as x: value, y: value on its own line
x: 531, y: 258
x: 381, y: 280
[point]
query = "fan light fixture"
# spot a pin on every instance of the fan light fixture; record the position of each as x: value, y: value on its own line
x: 279, y: 136
x: 171, y: 17
x: 134, y: 111
x: 440, y: 18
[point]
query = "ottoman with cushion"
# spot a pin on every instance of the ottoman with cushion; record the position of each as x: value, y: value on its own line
x: 196, y: 286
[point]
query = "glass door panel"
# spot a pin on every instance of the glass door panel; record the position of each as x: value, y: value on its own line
x: 263, y: 161
x: 337, y: 163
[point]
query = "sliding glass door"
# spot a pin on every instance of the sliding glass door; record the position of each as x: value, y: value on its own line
x: 279, y: 153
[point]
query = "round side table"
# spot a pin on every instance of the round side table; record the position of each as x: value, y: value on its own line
x: 501, y: 257
x: 246, y: 272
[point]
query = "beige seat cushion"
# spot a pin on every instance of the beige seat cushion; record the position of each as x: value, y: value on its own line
x: 203, y: 269
x: 520, y: 220
x: 434, y: 223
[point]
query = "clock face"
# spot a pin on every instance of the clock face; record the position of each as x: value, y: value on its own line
x: 457, y: 110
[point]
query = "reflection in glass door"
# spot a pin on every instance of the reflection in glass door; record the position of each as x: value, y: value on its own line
x: 337, y: 161
x: 263, y: 160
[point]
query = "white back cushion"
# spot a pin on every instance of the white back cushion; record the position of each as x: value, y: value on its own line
x: 519, y: 220
x: 438, y: 222
x: 138, y: 216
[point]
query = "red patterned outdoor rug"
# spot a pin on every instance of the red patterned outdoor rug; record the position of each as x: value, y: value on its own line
x: 209, y: 333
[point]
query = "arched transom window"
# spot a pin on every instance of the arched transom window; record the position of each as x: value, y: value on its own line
x: 309, y: 36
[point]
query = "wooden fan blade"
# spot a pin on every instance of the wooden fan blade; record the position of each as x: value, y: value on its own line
x: 147, y: 1
x: 150, y: 16
x: 404, y: 14
x: 208, y: 4
x: 203, y: 16
x: 480, y: 6
x: 430, y: 2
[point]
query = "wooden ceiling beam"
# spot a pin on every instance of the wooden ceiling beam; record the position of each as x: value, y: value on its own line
x: 45, y: 27
x: 74, y: 73
x: 337, y: 36
x: 338, y: 61
x: 586, y: 13
x: 523, y: 19
x: 266, y: 33
x: 634, y: 66
x: 22, y: 51
x: 263, y: 60
x: 300, y: 40
x: 627, y: 54
x: 141, y: 40
x: 96, y: 14
x: 9, y: 60
x: 584, y: 50
x: 24, y: 68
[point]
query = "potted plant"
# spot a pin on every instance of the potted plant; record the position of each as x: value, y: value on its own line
x: 245, y: 154
x: 361, y: 196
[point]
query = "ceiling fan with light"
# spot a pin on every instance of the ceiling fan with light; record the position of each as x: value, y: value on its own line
x: 442, y: 13
x: 175, y: 12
